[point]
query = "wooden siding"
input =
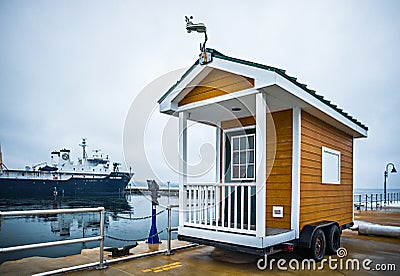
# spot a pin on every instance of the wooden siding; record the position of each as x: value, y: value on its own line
x: 239, y: 122
x: 216, y: 83
x: 279, y: 180
x: 324, y: 201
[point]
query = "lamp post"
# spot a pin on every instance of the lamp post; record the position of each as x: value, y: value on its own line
x: 386, y: 174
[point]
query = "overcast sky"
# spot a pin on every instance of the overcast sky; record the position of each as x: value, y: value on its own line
x: 72, y: 69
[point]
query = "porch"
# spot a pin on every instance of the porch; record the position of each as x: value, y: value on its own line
x: 226, y: 213
x: 233, y: 209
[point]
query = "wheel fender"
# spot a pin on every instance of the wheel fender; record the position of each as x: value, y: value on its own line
x: 308, y: 231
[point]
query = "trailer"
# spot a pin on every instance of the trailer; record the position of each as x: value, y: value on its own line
x: 284, y: 159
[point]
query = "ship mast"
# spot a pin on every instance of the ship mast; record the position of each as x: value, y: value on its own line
x: 1, y: 161
x: 84, y: 155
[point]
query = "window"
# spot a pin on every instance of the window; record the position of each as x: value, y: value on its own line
x: 242, y: 157
x: 330, y: 166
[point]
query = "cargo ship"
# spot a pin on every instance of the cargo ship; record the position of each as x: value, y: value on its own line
x: 61, y: 176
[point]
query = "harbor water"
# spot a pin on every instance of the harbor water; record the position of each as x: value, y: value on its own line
x: 127, y: 219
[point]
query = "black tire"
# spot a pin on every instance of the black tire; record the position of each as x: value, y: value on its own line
x: 318, y: 245
x: 333, y: 240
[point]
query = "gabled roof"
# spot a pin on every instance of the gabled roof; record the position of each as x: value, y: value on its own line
x: 281, y: 72
x: 181, y: 79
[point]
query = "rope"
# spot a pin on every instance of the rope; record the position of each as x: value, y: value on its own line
x: 139, y: 218
x: 135, y: 240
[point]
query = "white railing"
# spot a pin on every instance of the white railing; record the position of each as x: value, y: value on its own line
x: 228, y: 207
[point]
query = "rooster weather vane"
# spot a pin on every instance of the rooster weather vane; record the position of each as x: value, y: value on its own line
x: 197, y: 27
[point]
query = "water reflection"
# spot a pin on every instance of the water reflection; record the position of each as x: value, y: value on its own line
x: 86, y: 222
x: 127, y: 218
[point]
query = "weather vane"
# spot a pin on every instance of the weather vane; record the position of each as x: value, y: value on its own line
x: 200, y: 28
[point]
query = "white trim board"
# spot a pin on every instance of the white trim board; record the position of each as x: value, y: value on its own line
x: 227, y: 237
x: 167, y: 103
x: 263, y: 78
x: 261, y: 163
x: 182, y: 165
x: 296, y: 162
x: 234, y: 95
x: 237, y: 238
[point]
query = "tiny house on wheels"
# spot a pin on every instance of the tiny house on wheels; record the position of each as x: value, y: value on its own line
x: 284, y: 160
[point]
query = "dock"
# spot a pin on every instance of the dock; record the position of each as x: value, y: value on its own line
x: 200, y: 260
x: 145, y: 190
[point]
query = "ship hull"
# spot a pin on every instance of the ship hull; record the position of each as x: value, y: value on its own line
x: 113, y: 183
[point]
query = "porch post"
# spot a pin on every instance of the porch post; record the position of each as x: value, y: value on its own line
x: 261, y: 162
x: 217, y: 172
x: 217, y: 154
x: 182, y: 166
x: 296, y: 151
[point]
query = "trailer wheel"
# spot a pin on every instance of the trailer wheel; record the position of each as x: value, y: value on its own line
x: 333, y: 239
x: 318, y: 244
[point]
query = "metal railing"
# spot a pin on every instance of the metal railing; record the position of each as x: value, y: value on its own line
x: 170, y: 229
x: 374, y: 201
x: 102, y: 263
x: 100, y: 238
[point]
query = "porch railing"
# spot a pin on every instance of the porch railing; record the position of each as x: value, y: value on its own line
x: 229, y: 207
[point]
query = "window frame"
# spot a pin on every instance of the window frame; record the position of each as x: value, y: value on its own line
x: 324, y: 166
x: 229, y: 136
